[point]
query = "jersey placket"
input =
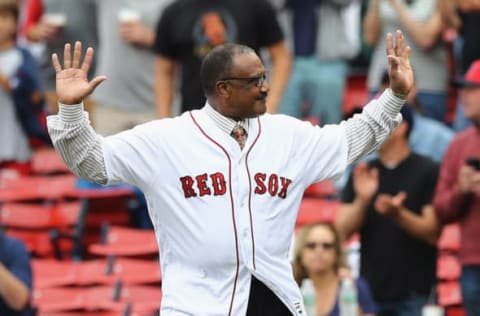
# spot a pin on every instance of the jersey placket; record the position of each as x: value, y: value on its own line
x: 241, y: 193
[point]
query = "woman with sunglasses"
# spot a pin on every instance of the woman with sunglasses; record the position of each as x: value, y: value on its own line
x: 319, y: 257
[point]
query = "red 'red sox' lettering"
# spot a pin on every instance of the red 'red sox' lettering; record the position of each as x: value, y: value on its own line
x: 271, y: 185
x: 217, y: 183
x: 204, y: 184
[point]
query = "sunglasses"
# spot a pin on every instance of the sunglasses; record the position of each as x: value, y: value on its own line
x: 325, y: 245
x: 257, y: 81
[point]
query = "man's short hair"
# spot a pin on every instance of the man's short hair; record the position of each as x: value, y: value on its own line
x: 218, y: 64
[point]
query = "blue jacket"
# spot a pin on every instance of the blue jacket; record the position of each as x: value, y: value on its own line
x: 28, y: 98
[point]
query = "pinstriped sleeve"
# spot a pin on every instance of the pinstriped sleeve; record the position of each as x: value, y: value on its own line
x: 366, y: 131
x: 77, y: 142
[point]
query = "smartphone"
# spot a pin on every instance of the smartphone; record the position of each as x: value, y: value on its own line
x: 474, y: 162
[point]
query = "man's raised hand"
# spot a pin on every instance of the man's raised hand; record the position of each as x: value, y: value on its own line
x: 71, y: 80
x: 399, y: 68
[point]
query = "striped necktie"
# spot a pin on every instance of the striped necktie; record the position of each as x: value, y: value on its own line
x: 240, y: 135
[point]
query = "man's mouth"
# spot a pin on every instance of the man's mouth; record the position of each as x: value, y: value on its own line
x: 262, y: 98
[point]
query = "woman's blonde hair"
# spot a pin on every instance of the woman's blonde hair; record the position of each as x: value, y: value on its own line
x: 299, y: 272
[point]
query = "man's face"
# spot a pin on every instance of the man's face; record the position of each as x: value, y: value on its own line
x: 7, y: 25
x: 470, y: 97
x: 247, y: 88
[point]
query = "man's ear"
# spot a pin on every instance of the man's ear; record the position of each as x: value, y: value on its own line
x: 223, y: 89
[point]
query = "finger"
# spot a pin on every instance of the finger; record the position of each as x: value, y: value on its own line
x: 390, y: 50
x: 87, y: 60
x: 379, y: 205
x: 67, y: 56
x: 374, y: 173
x: 406, y: 55
x: 399, y: 43
x: 95, y: 82
x: 399, y: 199
x: 56, y: 63
x: 77, y: 54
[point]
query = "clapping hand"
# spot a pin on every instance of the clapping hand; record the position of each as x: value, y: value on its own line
x: 399, y: 68
x: 71, y: 81
x: 365, y: 182
x: 390, y: 205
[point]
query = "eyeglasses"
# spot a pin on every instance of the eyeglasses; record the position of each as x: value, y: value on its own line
x: 325, y: 245
x: 257, y: 81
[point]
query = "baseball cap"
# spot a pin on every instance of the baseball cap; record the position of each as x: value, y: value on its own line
x: 407, y: 116
x: 472, y: 77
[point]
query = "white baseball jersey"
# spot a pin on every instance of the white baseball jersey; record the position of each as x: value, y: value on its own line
x: 221, y: 213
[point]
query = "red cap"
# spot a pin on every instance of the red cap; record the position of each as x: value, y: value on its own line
x: 472, y: 77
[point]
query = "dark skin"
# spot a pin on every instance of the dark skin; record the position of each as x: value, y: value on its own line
x: 239, y: 99
x: 233, y: 98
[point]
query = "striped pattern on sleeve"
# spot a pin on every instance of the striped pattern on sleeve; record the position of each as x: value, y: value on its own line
x: 366, y: 131
x: 77, y: 142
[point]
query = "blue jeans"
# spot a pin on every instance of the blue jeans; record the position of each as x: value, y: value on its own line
x: 461, y: 122
x: 411, y: 306
x: 319, y: 85
x: 470, y: 283
x: 434, y: 104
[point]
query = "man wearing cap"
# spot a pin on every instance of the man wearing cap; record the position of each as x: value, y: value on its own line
x: 457, y: 196
x: 389, y: 201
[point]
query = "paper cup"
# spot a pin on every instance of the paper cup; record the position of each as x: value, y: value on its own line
x: 126, y: 15
x: 55, y: 19
x: 433, y: 310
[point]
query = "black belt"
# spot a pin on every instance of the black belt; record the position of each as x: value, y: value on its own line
x: 263, y: 302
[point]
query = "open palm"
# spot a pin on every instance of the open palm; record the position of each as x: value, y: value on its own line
x: 399, y: 68
x: 72, y: 84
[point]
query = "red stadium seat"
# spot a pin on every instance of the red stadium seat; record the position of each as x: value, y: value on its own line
x: 448, y: 267
x: 449, y: 293
x: 125, y: 269
x: 356, y: 93
x: 40, y: 216
x: 316, y: 210
x: 36, y: 188
x: 83, y: 314
x: 92, y: 313
x: 450, y: 238
x: 324, y: 189
x: 48, y: 161
x: 54, y: 188
x: 59, y: 299
x: 121, y: 241
x: 53, y: 273
x: 36, y: 242
x: 144, y: 299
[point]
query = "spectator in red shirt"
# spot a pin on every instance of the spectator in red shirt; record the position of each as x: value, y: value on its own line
x: 457, y: 196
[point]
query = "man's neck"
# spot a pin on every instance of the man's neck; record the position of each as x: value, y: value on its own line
x: 394, y: 154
